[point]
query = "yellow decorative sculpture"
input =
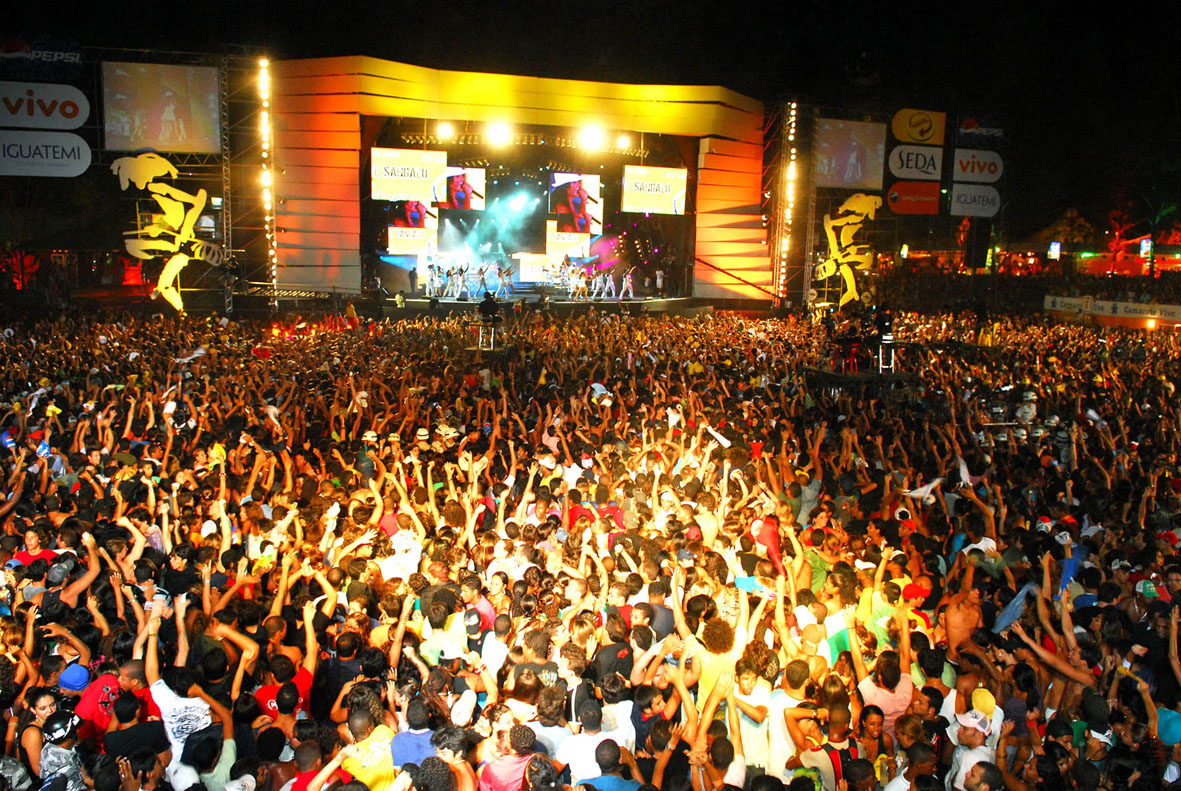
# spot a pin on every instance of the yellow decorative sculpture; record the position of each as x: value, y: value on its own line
x: 180, y: 211
x: 844, y: 253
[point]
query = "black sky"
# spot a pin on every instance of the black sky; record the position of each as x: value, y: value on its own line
x: 1089, y: 99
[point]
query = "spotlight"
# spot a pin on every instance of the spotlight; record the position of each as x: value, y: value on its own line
x: 445, y: 131
x: 518, y: 201
x: 623, y: 141
x: 591, y: 137
x: 499, y: 134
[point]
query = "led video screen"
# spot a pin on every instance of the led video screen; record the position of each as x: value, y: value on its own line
x: 577, y: 200
x: 654, y: 190
x: 166, y: 108
x: 401, y: 174
x: 850, y: 154
x: 413, y: 229
x: 459, y: 188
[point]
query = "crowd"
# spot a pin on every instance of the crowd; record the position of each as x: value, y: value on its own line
x: 630, y: 553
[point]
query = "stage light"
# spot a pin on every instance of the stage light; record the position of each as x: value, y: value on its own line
x: 266, y: 178
x: 591, y: 137
x: 518, y: 201
x: 623, y: 141
x: 265, y: 138
x: 499, y: 134
x: 445, y: 131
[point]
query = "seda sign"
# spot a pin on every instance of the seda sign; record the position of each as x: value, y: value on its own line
x: 917, y: 162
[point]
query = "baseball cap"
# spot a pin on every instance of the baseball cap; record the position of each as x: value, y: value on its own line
x: 12, y: 564
x: 1146, y: 589
x: 471, y: 621
x: 369, y: 436
x: 422, y: 435
x: 74, y: 678
x: 915, y: 591
x: 58, y: 573
x: 974, y: 719
x: 983, y: 701
x: 60, y: 726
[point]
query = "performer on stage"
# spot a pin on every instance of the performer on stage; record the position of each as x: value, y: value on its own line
x: 504, y: 274
x: 627, y: 290
x: 596, y: 290
x: 608, y: 284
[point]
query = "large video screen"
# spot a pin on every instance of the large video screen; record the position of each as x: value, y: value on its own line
x: 459, y: 188
x: 407, y: 174
x: 654, y: 190
x: 577, y: 200
x: 850, y: 154
x: 167, y: 108
x: 413, y: 228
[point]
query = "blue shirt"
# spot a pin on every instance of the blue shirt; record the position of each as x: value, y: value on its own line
x: 411, y: 747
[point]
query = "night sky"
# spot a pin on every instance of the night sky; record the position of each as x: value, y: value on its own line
x: 1089, y: 100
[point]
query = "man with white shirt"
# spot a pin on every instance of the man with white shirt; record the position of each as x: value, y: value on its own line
x: 578, y: 752
x: 920, y: 760
x: 972, y: 735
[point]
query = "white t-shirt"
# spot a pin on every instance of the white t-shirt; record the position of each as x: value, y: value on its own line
x: 578, y: 753
x: 182, y: 717
x: 617, y: 723
x: 755, y: 734
x: 899, y: 783
x: 781, y: 746
x: 962, y: 761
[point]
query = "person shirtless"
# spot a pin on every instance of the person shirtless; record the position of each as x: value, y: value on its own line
x: 963, y: 614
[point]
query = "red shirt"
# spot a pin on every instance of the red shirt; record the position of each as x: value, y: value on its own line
x: 94, y: 707
x: 302, y: 681
x: 25, y: 558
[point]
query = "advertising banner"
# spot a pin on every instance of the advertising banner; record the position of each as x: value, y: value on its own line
x: 919, y: 126
x: 914, y: 197
x: 33, y: 105
x: 649, y: 190
x: 974, y: 200
x: 399, y: 174
x: 977, y: 164
x: 44, y: 154
x: 40, y: 58
x: 917, y: 162
x: 979, y: 132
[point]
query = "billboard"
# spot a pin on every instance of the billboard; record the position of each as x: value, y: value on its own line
x: 914, y: 197
x: 44, y: 154
x: 977, y: 164
x: 33, y: 105
x: 459, y: 188
x: 166, y: 108
x: 649, y: 190
x: 980, y: 132
x: 919, y: 126
x: 577, y: 199
x: 916, y: 162
x: 401, y: 174
x: 974, y: 200
x: 849, y: 154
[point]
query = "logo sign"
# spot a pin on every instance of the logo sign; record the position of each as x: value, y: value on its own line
x: 976, y: 164
x: 919, y: 126
x: 972, y: 130
x: 974, y: 200
x: 1055, y: 251
x: 914, y: 197
x: 31, y: 105
x: 1145, y: 248
x: 39, y: 58
x: 917, y: 162
x: 47, y: 154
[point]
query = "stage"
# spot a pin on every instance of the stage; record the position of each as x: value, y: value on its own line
x: 673, y: 306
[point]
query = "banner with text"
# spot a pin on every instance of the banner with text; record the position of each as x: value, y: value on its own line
x: 401, y: 174
x: 648, y: 190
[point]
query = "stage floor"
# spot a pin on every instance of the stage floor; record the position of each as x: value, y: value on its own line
x: 681, y: 306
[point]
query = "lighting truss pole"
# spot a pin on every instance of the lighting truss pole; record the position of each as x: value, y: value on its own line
x: 227, y: 202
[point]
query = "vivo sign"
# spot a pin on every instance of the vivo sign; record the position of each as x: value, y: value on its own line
x: 33, y: 105
x: 917, y: 162
x: 975, y: 164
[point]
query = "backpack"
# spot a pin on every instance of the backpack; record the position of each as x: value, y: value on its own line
x: 840, y: 758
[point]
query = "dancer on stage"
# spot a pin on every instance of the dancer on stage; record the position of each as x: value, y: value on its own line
x: 627, y: 289
x: 608, y: 284
x: 596, y: 289
x: 504, y: 274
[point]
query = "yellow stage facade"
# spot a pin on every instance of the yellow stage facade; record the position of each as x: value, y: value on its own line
x: 317, y: 109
